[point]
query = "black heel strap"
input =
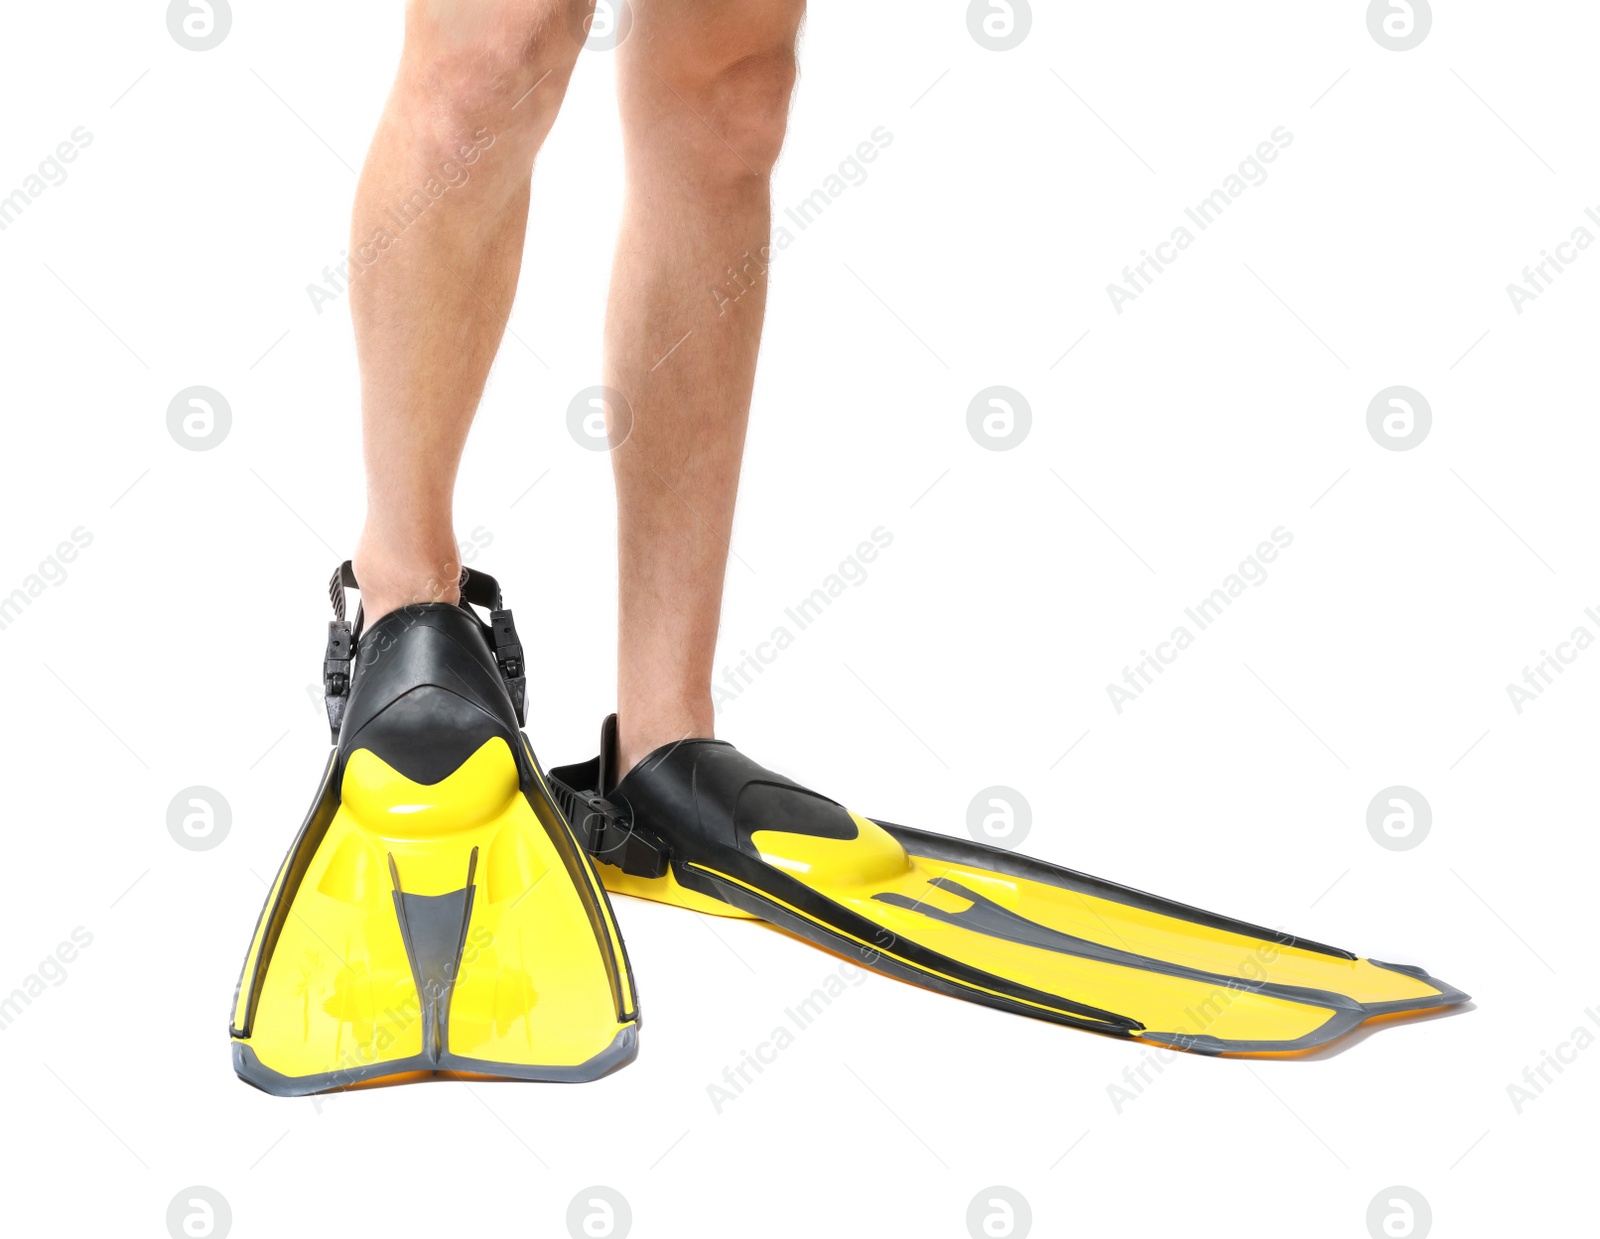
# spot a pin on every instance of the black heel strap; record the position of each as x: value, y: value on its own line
x: 344, y: 636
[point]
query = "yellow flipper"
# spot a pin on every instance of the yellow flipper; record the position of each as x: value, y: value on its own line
x: 697, y: 822
x: 444, y: 927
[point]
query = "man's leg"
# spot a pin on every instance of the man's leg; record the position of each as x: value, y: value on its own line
x: 704, y: 87
x: 436, y: 249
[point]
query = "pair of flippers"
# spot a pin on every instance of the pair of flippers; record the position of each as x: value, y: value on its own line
x: 443, y: 911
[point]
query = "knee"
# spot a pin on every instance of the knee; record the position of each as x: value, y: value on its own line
x: 744, y: 105
x: 749, y: 102
x: 480, y: 72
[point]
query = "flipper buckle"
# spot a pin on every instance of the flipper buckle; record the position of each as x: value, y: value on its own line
x: 610, y: 837
x: 508, y: 655
x: 336, y: 672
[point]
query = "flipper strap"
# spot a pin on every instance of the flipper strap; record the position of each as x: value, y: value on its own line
x: 607, y: 830
x: 344, y: 636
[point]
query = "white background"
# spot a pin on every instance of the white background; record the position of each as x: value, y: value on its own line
x: 1221, y: 404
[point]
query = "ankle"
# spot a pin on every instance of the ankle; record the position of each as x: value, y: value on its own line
x: 392, y: 577
x: 641, y: 732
